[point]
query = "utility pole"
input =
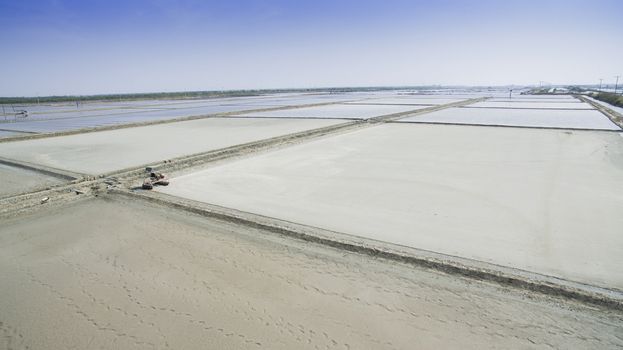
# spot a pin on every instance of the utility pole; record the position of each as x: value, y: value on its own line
x: 600, y: 80
x: 616, y: 84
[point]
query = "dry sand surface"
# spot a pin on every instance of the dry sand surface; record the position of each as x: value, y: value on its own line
x: 106, y: 151
x: 161, y: 279
x: 546, y: 201
x: 14, y: 180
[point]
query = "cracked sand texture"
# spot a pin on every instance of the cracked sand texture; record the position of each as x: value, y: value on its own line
x: 162, y: 279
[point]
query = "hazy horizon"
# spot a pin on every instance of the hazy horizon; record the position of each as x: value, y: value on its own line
x: 311, y: 88
x: 105, y: 47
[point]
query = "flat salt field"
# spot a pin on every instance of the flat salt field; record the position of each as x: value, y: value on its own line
x: 460, y: 96
x: 334, y: 111
x: 70, y: 121
x: 303, y: 100
x: 61, y: 108
x: 539, y: 97
x: 14, y: 181
x: 409, y: 101
x: 278, y: 99
x: 530, y: 100
x: 546, y: 201
x: 61, y: 117
x: 64, y: 117
x: 105, y: 151
x: 149, y: 103
x: 4, y: 133
x: 162, y: 279
x: 55, y: 117
x: 78, y: 114
x: 532, y: 105
x: 571, y: 119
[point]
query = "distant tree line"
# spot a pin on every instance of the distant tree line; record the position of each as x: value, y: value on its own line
x: 181, y: 95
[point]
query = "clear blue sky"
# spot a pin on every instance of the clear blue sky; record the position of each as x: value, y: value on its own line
x: 108, y: 46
